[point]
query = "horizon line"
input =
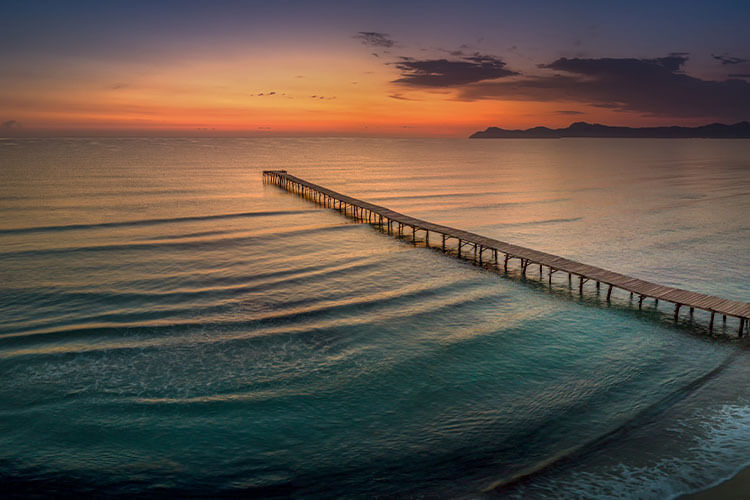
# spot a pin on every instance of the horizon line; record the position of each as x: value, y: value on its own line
x: 18, y: 132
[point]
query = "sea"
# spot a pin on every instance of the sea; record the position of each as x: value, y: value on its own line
x: 172, y: 326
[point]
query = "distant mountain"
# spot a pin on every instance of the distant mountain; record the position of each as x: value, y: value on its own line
x: 739, y: 130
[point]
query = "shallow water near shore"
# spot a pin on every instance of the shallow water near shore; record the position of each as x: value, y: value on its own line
x: 171, y: 325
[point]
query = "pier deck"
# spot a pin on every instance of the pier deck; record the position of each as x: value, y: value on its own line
x: 389, y: 219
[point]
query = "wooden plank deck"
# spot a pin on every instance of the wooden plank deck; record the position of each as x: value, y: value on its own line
x: 584, y: 272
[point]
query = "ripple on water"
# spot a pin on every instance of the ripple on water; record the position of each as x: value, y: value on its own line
x: 173, y: 326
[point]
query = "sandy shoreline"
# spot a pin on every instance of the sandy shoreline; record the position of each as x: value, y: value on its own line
x: 735, y: 488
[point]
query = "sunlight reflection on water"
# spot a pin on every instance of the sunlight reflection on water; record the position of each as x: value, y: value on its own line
x: 162, y: 306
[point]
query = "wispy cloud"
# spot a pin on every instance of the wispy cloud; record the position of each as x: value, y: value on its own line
x: 568, y: 112
x: 727, y: 60
x: 375, y: 39
x: 451, y: 73
x: 401, y: 97
x: 10, y: 124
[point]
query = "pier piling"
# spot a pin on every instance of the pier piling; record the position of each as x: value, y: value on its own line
x: 370, y: 213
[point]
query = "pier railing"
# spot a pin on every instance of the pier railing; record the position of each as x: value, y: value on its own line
x: 488, y: 251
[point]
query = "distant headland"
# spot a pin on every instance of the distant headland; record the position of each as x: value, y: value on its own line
x: 739, y: 130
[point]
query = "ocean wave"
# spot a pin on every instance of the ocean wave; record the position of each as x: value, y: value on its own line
x: 715, y: 457
x: 295, y: 317
x: 271, y: 234
x: 136, y: 307
x: 534, y: 222
x: 473, y: 195
x: 149, y: 222
x: 669, y: 478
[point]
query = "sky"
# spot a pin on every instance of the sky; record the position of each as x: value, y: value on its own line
x: 333, y: 68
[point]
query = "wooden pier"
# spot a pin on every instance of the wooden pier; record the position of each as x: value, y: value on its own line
x: 488, y: 251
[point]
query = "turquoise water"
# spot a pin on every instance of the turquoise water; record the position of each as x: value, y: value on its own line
x: 171, y: 325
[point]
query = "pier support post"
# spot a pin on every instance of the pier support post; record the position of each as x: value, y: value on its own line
x: 363, y: 212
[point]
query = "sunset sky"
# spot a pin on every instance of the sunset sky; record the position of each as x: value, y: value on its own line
x: 381, y: 68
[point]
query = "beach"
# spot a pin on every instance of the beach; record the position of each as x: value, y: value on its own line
x: 736, y: 488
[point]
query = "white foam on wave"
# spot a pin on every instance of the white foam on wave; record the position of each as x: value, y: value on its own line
x: 717, y: 450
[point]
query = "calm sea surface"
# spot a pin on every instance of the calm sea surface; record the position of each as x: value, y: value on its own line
x: 171, y: 325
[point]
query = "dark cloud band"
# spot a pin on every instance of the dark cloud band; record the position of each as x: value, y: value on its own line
x: 446, y: 73
x: 650, y: 86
